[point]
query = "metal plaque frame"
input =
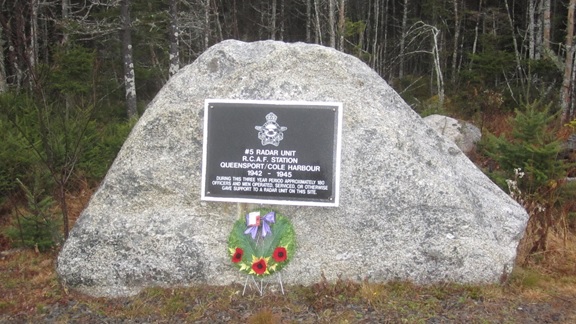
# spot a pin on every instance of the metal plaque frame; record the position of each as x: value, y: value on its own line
x: 272, y: 152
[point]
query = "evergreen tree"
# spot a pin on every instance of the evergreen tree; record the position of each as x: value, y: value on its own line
x: 529, y: 166
x: 531, y: 146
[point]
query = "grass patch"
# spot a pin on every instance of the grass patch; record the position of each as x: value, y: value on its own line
x: 29, y: 291
x: 28, y: 280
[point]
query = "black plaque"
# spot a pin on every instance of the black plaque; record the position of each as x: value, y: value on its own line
x: 272, y: 152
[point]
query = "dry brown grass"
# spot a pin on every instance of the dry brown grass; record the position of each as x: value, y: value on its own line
x: 544, y: 290
x: 497, y: 123
x: 77, y: 201
x: 28, y: 281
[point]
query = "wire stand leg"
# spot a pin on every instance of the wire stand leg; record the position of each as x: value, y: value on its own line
x: 280, y: 281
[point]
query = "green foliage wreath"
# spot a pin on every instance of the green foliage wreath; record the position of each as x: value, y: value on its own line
x: 263, y: 243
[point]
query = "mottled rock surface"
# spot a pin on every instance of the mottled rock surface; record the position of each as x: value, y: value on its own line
x: 463, y: 134
x: 412, y: 206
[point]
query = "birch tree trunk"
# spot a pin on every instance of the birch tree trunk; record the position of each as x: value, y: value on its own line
x: 174, y: 39
x: 235, y: 20
x: 308, y: 21
x: 129, y: 77
x: 385, y: 42
x: 403, y: 38
x: 332, y: 23
x: 206, y: 24
x: 282, y: 18
x: 375, y: 38
x: 476, y: 33
x: 565, y: 98
x: 318, y: 37
x: 457, y: 21
x: 273, y: 21
x: 341, y: 25
x: 33, y: 43
x: 531, y: 29
x: 438, y: 66
x: 261, y: 30
x: 538, y: 30
x: 546, y: 24
x: 514, y: 43
x: 65, y: 16
x: 418, y: 32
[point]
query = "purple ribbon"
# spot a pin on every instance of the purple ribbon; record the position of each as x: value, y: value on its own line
x: 265, y: 221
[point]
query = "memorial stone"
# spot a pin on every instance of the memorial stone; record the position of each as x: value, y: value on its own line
x: 412, y: 206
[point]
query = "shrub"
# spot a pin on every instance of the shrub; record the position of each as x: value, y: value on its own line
x: 56, y: 140
x: 36, y: 226
x: 528, y: 166
x: 20, y: 142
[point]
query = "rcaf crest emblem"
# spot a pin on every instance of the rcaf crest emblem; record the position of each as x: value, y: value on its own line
x: 271, y: 132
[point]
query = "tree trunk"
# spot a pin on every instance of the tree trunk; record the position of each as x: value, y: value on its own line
x: 565, y: 98
x: 402, y: 39
x: 476, y: 33
x: 375, y: 37
x: 437, y: 66
x: 318, y: 37
x: 65, y: 16
x: 514, y: 43
x: 129, y: 77
x: 63, y: 207
x: 32, y: 45
x: 174, y: 39
x: 572, y: 105
x: 457, y: 21
x: 332, y: 23
x: 273, y: 20
x: 546, y: 24
x: 531, y: 29
x: 217, y: 21
x: 308, y: 21
x: 33, y: 49
x: 282, y: 18
x: 3, y: 83
x: 341, y: 25
x: 538, y: 30
x: 384, y: 45
x: 262, y: 28
x: 236, y: 32
x: 63, y: 43
x: 206, y: 24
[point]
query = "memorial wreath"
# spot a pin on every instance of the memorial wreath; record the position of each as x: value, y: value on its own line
x: 263, y: 243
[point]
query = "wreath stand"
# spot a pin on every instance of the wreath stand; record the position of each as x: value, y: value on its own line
x: 260, y: 287
x: 266, y: 237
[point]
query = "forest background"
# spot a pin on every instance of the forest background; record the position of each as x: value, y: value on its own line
x: 76, y: 74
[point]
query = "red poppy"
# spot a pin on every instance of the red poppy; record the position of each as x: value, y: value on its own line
x: 259, y: 266
x: 237, y: 257
x: 280, y: 254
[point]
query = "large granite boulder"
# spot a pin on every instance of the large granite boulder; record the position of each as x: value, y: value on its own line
x: 412, y: 206
x: 463, y: 134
